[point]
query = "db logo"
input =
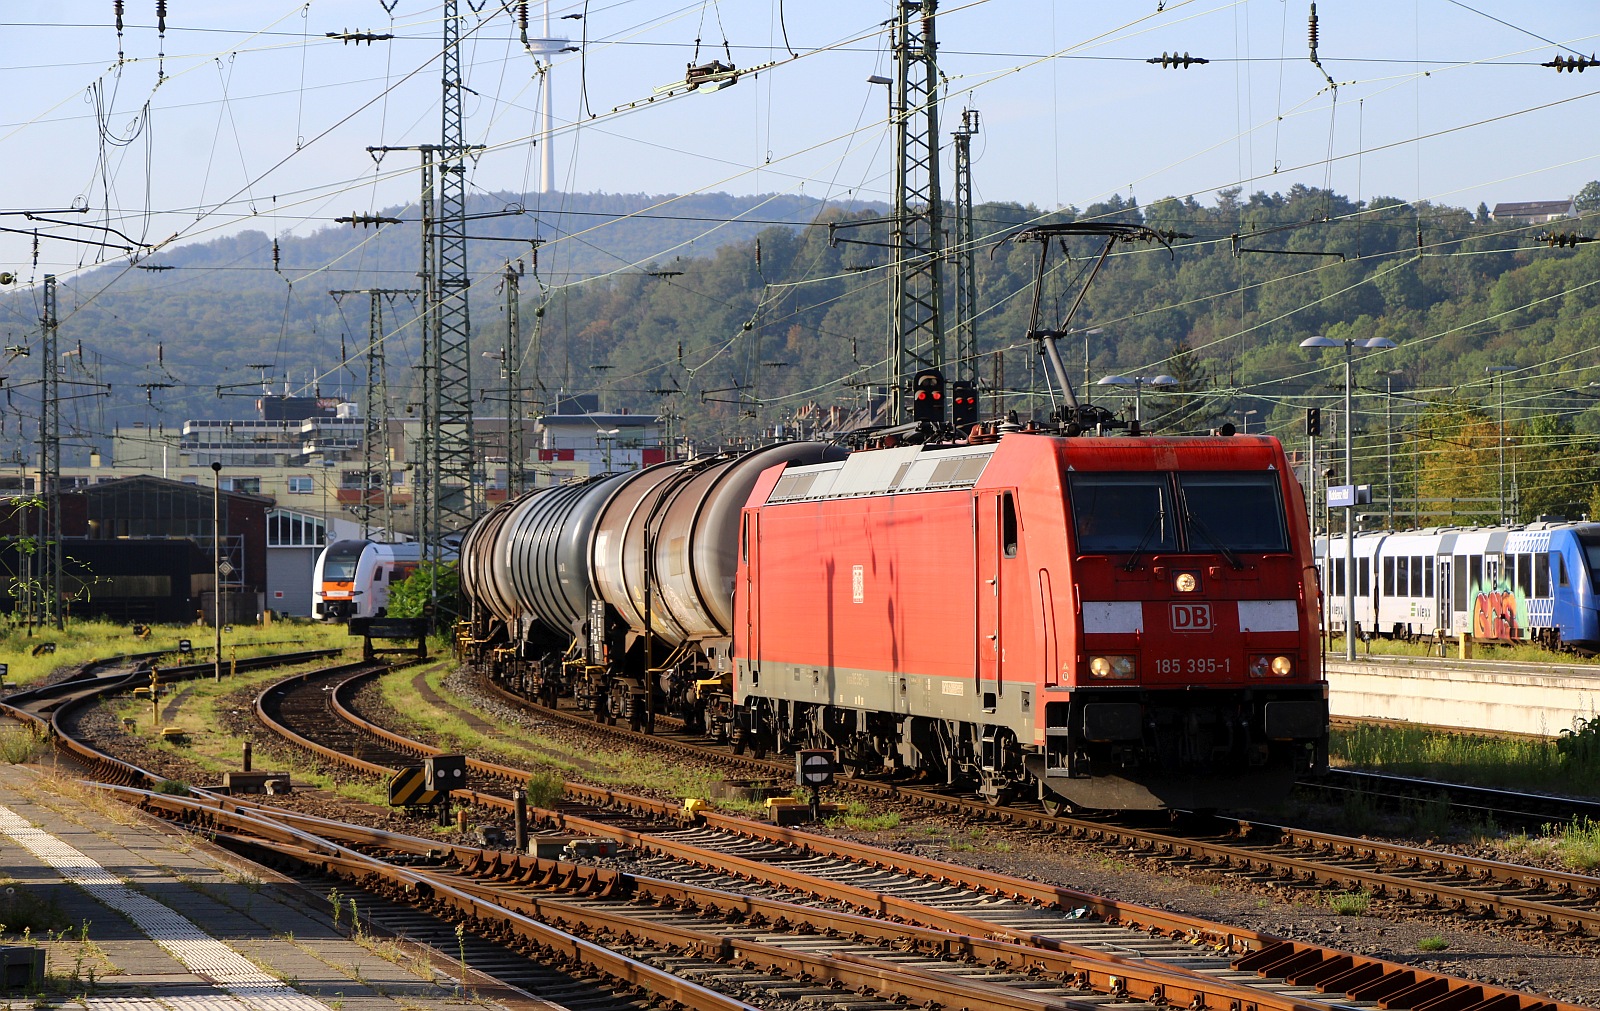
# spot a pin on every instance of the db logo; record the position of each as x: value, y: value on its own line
x: 1191, y: 617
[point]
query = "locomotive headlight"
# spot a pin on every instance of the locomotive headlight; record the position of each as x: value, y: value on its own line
x: 1113, y: 668
x: 1186, y: 582
x: 1264, y: 665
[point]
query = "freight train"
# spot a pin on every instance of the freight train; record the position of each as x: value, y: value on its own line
x: 1536, y: 583
x: 1099, y: 623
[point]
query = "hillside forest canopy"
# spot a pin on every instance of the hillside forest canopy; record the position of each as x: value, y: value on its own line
x: 737, y: 315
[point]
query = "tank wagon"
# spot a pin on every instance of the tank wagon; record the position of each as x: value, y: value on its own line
x: 1100, y: 623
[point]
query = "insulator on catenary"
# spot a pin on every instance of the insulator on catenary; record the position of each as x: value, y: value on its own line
x: 161, y: 17
x: 1571, y: 63
x: 1311, y: 29
x: 522, y: 14
x: 116, y: 9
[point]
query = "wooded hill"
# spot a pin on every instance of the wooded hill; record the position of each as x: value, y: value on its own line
x: 741, y: 337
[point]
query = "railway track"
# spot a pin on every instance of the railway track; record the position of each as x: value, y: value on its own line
x: 719, y: 844
x: 1511, y: 894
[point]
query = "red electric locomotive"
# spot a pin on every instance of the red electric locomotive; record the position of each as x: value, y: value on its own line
x: 1098, y: 622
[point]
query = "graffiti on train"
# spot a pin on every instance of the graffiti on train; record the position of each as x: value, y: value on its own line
x: 1497, y: 613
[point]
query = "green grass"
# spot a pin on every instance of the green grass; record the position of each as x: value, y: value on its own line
x: 1575, y: 846
x: 856, y: 815
x: 22, y: 913
x: 1349, y: 903
x: 1521, y: 652
x: 1434, y: 943
x: 618, y: 769
x: 1504, y: 763
x: 92, y: 639
x: 20, y: 745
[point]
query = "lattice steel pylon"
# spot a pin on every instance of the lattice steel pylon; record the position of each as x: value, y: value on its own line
x: 452, y: 465
x: 916, y: 284
x: 422, y: 485
x: 375, y: 465
x: 966, y: 254
x: 50, y: 459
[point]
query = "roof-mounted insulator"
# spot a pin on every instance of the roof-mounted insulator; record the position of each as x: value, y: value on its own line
x: 1170, y: 61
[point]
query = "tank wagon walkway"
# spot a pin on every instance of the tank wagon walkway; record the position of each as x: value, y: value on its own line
x: 173, y: 924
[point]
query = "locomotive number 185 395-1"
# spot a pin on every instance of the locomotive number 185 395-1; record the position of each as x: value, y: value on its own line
x: 1193, y: 665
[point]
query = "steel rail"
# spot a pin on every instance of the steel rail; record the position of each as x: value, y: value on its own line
x: 1503, y: 805
x: 421, y: 888
x: 1128, y: 977
x: 999, y: 884
x: 1552, y: 909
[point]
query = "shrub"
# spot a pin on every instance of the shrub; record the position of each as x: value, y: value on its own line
x: 545, y: 789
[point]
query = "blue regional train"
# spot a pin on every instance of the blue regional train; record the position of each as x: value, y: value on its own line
x: 1536, y: 583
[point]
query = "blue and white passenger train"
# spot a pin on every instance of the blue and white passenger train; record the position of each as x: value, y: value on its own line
x: 1535, y: 583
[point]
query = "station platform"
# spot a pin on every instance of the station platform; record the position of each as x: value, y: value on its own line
x: 1538, y: 700
x: 163, y: 921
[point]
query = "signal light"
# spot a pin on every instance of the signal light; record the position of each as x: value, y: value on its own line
x: 963, y: 403
x: 1313, y: 422
x: 928, y: 400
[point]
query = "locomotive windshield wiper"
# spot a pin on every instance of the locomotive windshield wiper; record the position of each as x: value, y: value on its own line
x: 1196, y: 523
x: 1156, y: 523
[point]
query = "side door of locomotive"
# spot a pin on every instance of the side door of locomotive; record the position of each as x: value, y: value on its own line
x: 996, y: 534
x: 751, y: 545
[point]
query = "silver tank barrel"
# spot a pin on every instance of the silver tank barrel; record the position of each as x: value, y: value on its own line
x: 547, y: 549
x: 616, y: 549
x: 697, y: 536
x: 482, y: 578
x: 694, y: 510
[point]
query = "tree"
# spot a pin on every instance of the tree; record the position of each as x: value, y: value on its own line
x: 409, y: 598
x: 1483, y: 213
x: 1588, y: 198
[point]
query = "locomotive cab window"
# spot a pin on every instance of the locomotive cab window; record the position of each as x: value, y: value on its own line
x: 1116, y: 512
x: 1233, y: 511
x: 340, y: 563
x: 1008, y: 525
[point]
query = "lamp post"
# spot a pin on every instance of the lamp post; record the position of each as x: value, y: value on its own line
x: 1349, y: 344
x: 1499, y: 374
x: 216, y: 565
x: 1244, y: 421
x: 1138, y: 383
x: 1388, y: 439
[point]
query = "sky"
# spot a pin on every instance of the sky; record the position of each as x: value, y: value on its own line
x: 246, y: 115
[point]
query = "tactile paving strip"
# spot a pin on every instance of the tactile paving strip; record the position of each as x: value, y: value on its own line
x: 201, y: 953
